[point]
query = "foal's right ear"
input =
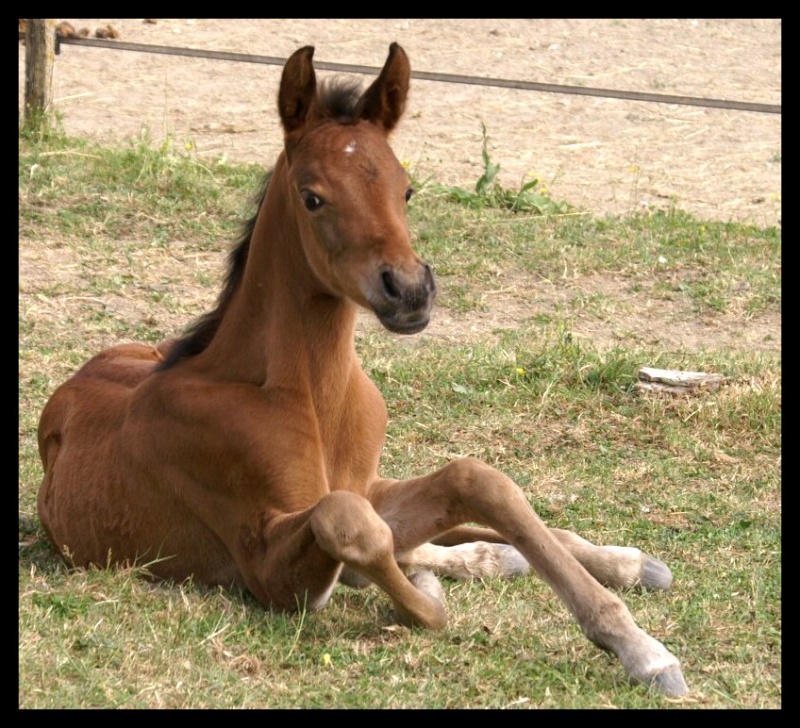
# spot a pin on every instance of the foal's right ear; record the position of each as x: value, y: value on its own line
x: 384, y: 101
x: 298, y: 90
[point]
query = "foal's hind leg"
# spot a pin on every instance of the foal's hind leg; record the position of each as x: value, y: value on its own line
x: 467, y: 490
x: 467, y: 552
x: 620, y: 567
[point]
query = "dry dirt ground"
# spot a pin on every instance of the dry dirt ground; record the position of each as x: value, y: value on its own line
x: 604, y: 155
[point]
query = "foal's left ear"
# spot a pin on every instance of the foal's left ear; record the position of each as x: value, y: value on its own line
x: 298, y: 89
x: 384, y: 101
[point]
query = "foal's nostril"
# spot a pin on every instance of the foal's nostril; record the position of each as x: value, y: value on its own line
x: 389, y: 287
x: 430, y: 281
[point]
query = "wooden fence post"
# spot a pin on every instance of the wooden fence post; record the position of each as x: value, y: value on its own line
x: 40, y: 46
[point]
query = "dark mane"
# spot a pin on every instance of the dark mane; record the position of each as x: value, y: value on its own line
x: 338, y: 99
x: 198, y: 336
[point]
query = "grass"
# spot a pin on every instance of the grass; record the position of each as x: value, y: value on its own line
x: 128, y: 243
x: 532, y: 196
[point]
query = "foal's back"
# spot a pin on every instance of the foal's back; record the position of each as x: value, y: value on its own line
x: 96, y: 502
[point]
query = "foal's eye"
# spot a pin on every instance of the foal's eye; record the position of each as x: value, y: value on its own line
x: 311, y: 201
x: 409, y: 193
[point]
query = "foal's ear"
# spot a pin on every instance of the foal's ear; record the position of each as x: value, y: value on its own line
x: 384, y: 101
x: 298, y: 89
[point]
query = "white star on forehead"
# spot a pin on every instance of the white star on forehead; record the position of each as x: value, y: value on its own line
x: 350, y: 147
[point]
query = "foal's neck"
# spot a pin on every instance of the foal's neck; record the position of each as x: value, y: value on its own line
x: 287, y: 331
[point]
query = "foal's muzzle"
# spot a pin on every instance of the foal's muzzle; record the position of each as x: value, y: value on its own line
x: 402, y: 301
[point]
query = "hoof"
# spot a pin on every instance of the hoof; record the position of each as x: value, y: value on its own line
x: 512, y: 562
x: 427, y: 583
x: 430, y: 615
x: 655, y: 574
x: 670, y: 683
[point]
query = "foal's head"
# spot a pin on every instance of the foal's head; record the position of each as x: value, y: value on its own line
x: 349, y: 192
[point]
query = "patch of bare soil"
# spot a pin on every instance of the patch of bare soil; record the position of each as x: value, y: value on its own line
x: 605, y: 155
x: 630, y: 319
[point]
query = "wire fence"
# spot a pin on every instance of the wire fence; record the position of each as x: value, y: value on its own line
x: 427, y: 76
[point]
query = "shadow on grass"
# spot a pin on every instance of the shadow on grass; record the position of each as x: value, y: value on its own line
x: 35, y: 550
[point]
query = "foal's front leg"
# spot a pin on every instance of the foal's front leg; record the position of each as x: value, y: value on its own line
x: 468, y: 490
x: 299, y: 557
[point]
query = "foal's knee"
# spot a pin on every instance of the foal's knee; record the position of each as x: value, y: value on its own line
x: 473, y: 476
x: 468, y: 470
x: 480, y: 483
x: 347, y: 527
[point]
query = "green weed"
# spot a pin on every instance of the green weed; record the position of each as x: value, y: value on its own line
x: 531, y: 197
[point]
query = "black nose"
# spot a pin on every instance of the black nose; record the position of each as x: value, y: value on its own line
x: 409, y: 292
